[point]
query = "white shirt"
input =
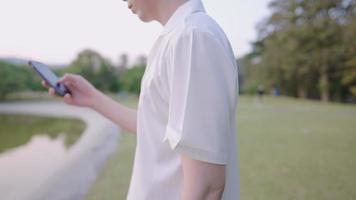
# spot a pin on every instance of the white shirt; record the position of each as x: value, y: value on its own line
x: 187, y: 105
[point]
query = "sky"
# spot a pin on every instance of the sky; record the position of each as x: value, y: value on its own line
x: 55, y: 31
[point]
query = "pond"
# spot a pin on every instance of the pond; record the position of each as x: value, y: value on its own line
x: 31, y: 146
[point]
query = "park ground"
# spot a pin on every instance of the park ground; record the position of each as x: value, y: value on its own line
x: 287, y: 149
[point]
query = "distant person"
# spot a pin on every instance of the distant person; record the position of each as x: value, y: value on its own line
x: 186, y: 118
x: 277, y: 92
x: 260, y: 93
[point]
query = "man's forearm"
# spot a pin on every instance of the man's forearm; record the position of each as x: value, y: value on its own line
x: 124, y: 116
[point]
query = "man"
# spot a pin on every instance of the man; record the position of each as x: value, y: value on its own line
x: 185, y: 122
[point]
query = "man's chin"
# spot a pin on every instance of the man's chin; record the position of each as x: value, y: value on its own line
x: 144, y: 18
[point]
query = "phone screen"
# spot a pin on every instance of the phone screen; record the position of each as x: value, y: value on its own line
x: 49, y: 76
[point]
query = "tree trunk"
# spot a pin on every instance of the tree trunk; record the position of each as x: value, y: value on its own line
x: 301, y: 92
x: 324, y: 85
x: 301, y: 85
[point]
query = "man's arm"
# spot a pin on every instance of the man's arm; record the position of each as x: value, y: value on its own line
x: 202, y: 180
x: 124, y: 116
x: 85, y: 94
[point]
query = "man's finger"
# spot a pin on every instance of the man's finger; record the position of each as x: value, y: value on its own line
x: 67, y: 78
x: 70, y: 86
x: 45, y: 84
x: 51, y: 92
x: 68, y: 98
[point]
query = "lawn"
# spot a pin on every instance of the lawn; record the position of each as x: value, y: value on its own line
x: 288, y: 149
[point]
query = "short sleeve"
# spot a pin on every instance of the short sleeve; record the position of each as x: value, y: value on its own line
x: 201, y: 85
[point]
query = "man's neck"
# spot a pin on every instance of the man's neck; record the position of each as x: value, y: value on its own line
x: 167, y: 8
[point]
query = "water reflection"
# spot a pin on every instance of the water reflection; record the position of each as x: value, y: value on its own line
x: 27, y: 154
x: 23, y: 166
x: 71, y: 178
x: 16, y: 130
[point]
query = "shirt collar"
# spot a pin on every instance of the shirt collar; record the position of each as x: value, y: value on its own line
x: 182, y: 12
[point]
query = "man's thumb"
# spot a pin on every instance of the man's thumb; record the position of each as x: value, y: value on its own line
x: 68, y: 98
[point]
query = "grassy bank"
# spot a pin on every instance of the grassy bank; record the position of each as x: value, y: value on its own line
x: 113, y: 182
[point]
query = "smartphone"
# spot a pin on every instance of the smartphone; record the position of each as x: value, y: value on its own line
x: 49, y: 76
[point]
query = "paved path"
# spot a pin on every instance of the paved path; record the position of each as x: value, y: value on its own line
x: 71, y: 179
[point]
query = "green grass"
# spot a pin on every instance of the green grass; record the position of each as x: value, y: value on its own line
x: 113, y: 181
x: 294, y: 149
x: 288, y: 149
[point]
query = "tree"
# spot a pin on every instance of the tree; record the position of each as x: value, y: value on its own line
x: 302, y: 42
x: 96, y: 69
x: 13, y: 79
x: 131, y: 78
x: 348, y: 73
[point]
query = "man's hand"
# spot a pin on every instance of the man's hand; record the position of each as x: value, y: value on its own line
x: 85, y: 94
x: 82, y: 92
x: 202, y: 180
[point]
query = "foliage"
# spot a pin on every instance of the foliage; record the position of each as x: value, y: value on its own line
x: 306, y: 48
x: 131, y: 79
x: 90, y: 64
x: 16, y: 78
